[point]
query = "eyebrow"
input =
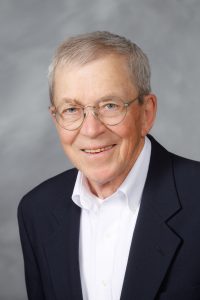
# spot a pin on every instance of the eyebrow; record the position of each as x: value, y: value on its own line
x: 70, y: 100
x: 109, y: 96
x: 76, y: 101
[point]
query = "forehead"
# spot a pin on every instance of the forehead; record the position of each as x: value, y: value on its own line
x: 106, y: 75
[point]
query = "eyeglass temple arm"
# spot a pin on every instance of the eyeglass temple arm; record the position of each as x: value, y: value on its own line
x: 131, y: 101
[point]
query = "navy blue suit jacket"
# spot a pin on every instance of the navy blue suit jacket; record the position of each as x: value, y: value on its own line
x: 164, y: 259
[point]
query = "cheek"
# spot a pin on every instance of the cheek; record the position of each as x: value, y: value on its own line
x: 67, y: 138
x: 131, y: 135
x: 67, y: 141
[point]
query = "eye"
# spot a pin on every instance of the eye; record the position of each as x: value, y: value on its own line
x: 110, y: 106
x: 70, y: 110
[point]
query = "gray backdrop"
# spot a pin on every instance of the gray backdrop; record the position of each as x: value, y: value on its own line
x: 30, y: 30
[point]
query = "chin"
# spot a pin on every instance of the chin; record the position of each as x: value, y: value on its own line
x: 101, y: 177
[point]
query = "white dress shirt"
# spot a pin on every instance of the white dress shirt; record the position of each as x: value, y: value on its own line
x: 106, y: 231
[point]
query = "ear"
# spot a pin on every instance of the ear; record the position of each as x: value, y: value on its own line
x: 52, y: 113
x: 149, y: 113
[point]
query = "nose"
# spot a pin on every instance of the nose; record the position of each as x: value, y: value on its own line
x: 92, y: 126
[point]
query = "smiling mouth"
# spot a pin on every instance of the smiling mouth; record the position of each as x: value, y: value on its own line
x: 98, y: 150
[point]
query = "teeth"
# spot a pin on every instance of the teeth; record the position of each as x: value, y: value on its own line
x: 97, y: 150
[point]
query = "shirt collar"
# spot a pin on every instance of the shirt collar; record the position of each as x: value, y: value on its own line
x: 131, y: 188
x: 82, y: 195
x: 133, y: 185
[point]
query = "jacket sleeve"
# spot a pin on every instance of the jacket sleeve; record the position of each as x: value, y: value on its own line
x: 32, y: 273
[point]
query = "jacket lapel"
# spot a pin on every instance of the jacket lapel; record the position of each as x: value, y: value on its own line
x: 62, y: 250
x: 154, y: 244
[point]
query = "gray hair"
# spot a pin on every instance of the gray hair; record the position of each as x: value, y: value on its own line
x: 84, y: 48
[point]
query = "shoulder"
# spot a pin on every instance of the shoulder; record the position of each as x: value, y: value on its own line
x: 182, y: 166
x: 187, y: 179
x: 46, y: 193
x: 185, y: 172
x: 182, y: 162
x: 186, y: 169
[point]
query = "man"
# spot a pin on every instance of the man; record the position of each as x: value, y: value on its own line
x: 125, y: 224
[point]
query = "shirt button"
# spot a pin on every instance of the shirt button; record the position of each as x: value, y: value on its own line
x: 104, y: 283
x: 108, y: 235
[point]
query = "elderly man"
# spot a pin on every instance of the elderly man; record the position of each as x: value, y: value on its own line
x: 125, y: 223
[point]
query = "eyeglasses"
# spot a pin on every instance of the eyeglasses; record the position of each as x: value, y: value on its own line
x: 110, y: 112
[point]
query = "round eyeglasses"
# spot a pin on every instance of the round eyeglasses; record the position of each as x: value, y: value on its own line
x: 110, y: 112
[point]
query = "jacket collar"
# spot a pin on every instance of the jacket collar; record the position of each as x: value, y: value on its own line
x: 62, y: 247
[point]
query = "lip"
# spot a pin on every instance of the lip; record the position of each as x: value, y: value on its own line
x: 98, y: 150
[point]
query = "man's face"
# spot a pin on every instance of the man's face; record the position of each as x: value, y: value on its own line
x: 119, y: 145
